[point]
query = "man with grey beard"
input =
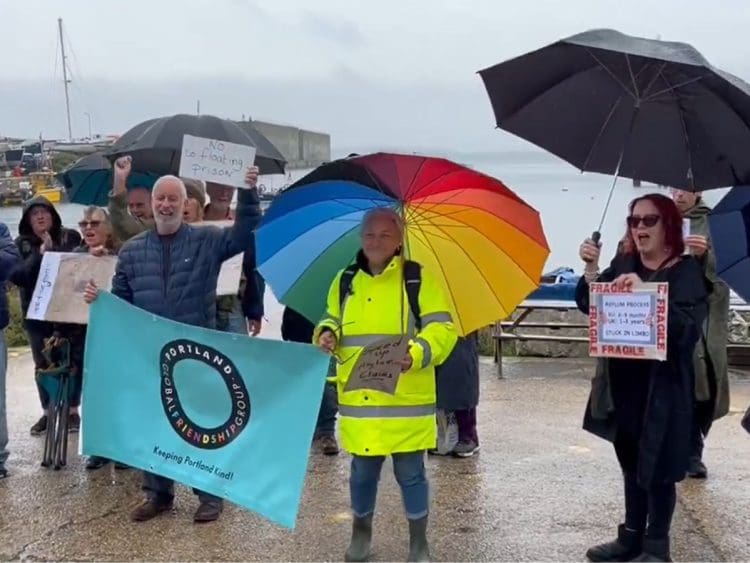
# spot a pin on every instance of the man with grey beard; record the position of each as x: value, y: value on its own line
x: 172, y: 272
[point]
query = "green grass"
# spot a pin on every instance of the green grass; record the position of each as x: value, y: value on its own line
x: 14, y: 334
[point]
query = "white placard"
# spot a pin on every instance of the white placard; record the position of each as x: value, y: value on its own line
x: 231, y: 269
x: 45, y: 284
x: 229, y: 276
x: 215, y: 161
x: 686, y: 233
x: 628, y: 323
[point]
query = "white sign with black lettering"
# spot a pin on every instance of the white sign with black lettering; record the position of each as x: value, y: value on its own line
x: 215, y: 161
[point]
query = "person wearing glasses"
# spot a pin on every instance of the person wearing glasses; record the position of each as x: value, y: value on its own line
x: 380, y: 301
x: 98, y: 239
x: 646, y: 406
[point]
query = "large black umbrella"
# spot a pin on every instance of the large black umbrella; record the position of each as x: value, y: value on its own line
x: 157, y: 146
x: 640, y: 108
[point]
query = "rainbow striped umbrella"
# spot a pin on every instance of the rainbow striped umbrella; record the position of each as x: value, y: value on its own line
x: 483, y: 242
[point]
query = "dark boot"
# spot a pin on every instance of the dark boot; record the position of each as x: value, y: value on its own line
x: 418, y: 548
x: 624, y: 548
x: 655, y: 550
x: 697, y: 469
x: 359, y: 547
x: 150, y: 508
x: 96, y: 462
x: 208, y: 511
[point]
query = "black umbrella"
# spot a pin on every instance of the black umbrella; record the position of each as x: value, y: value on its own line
x: 640, y: 108
x: 156, y: 148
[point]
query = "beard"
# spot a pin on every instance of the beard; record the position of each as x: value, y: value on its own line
x: 168, y: 224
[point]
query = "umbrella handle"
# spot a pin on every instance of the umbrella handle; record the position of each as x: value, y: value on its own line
x: 595, y: 237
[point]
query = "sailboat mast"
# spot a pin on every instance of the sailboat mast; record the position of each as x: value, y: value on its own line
x: 65, y: 77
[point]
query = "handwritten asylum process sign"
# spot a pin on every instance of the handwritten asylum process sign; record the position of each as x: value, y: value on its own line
x: 378, y: 366
x: 210, y: 160
x: 628, y: 324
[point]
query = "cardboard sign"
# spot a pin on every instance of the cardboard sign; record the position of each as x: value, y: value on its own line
x: 58, y: 295
x: 378, y: 366
x: 628, y: 324
x: 215, y: 161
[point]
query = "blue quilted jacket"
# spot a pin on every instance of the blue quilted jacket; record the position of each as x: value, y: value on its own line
x: 177, y: 280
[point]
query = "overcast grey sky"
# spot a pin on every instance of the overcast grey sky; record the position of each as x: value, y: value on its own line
x: 375, y: 74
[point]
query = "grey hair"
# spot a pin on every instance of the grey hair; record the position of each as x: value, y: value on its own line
x: 170, y: 178
x: 384, y: 213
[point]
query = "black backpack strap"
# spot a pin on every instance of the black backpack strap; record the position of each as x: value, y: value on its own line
x: 413, y: 282
x: 345, y: 286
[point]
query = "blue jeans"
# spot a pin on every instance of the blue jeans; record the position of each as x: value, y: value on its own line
x: 3, y: 413
x: 410, y: 475
x: 232, y: 321
x: 329, y: 406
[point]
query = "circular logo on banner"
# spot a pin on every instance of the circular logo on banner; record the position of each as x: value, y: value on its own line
x: 195, y: 434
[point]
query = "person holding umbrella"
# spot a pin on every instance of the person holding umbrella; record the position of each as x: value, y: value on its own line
x: 652, y: 401
x: 711, y: 363
x: 375, y: 424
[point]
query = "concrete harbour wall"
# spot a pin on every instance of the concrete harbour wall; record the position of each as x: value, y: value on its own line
x: 301, y: 148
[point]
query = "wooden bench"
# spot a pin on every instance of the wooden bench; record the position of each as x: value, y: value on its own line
x: 507, y: 330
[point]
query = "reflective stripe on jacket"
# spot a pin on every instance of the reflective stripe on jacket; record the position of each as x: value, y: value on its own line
x: 374, y: 422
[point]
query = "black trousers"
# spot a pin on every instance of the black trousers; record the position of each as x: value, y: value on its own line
x: 648, y: 510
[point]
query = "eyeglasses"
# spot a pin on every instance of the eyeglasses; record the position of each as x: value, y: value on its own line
x: 647, y: 220
x: 85, y: 224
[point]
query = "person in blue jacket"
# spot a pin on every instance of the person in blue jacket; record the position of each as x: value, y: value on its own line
x: 172, y: 271
x: 9, y: 256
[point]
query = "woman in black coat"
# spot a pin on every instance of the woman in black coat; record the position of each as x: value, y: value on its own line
x: 651, y: 401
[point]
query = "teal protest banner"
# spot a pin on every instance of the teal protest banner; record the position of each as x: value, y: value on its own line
x: 228, y: 414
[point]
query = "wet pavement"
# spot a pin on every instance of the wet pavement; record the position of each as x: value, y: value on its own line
x: 540, y: 489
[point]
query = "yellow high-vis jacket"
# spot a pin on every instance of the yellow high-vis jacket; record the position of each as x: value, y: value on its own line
x: 374, y: 423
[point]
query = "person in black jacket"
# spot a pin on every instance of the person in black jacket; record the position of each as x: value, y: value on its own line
x: 40, y: 230
x: 296, y: 328
x: 645, y: 407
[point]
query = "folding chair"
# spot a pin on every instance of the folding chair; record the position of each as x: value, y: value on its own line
x: 57, y: 381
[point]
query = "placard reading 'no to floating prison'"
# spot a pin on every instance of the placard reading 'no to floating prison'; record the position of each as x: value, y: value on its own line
x: 210, y: 160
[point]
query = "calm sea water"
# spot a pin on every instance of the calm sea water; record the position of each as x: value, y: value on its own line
x: 570, y: 203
